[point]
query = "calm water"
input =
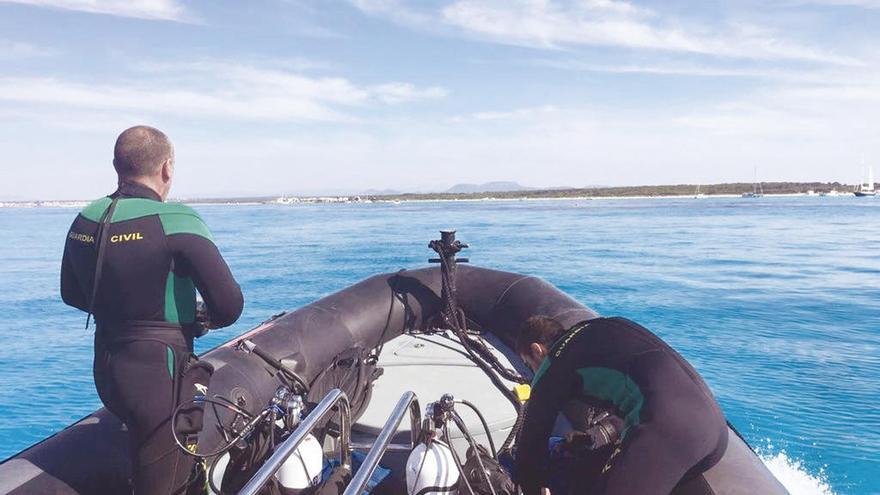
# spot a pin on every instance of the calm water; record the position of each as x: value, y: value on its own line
x: 776, y: 301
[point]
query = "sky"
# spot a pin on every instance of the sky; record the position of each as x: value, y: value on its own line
x: 271, y: 97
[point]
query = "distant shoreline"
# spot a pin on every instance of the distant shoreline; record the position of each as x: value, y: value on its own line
x: 726, y: 190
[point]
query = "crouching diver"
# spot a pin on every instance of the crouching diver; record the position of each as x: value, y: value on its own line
x: 135, y: 262
x: 644, y: 421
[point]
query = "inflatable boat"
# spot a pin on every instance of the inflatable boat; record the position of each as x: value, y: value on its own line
x: 383, y: 345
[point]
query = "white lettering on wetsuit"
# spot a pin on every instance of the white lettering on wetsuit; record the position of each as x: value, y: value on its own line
x: 86, y: 238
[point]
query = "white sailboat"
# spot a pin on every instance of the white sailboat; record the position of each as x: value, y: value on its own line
x: 866, y: 188
x: 757, y: 188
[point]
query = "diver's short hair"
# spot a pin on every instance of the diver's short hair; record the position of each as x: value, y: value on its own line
x: 140, y: 151
x: 538, y: 329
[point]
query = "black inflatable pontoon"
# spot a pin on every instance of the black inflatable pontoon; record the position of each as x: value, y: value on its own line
x: 327, y: 342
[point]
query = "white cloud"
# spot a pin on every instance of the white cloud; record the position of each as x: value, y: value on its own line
x: 662, y: 69
x: 557, y: 25
x: 549, y: 146
x: 768, y: 74
x: 15, y: 50
x: 404, y: 92
x: 868, y: 4
x: 757, y: 120
x: 516, y: 114
x: 787, y: 135
x: 836, y: 115
x: 182, y: 102
x: 163, y: 10
x: 395, y: 10
x: 216, y: 90
x: 548, y: 24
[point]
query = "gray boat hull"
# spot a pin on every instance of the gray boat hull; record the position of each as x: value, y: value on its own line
x: 321, y: 340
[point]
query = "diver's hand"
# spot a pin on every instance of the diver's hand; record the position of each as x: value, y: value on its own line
x: 197, y: 330
x: 203, y: 316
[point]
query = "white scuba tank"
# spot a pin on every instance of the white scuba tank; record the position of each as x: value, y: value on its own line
x: 303, y: 467
x: 432, y: 467
x: 218, y: 469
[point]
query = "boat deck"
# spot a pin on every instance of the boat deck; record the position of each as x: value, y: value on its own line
x: 430, y: 366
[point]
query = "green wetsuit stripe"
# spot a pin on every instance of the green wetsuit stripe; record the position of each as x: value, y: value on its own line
x: 132, y: 208
x: 175, y: 218
x: 617, y: 388
x: 169, y: 360
x: 556, y: 350
x: 545, y: 365
x: 126, y: 209
x: 96, y: 208
x: 180, y: 299
x: 184, y: 223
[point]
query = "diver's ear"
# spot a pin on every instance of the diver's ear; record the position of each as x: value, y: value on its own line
x: 538, y: 351
x: 167, y: 170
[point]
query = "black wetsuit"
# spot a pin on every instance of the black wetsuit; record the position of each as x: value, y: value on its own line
x: 672, y: 429
x: 156, y: 255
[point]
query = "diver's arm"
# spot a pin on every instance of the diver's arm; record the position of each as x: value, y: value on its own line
x: 71, y: 292
x: 202, y: 261
x: 547, y: 399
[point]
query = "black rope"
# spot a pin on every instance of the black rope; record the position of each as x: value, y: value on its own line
x: 483, y: 350
x: 515, y: 429
x: 456, y: 320
x: 408, y: 319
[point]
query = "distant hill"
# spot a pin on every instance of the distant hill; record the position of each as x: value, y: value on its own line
x: 506, y: 191
x: 497, y: 186
x: 380, y: 192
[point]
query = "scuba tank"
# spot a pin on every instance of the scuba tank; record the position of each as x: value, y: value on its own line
x: 431, y: 470
x: 303, y: 468
x: 216, y: 472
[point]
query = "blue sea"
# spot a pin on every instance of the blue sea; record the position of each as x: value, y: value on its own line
x: 776, y: 301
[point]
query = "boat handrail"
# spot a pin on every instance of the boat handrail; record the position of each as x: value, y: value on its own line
x: 408, y: 402
x: 288, y: 446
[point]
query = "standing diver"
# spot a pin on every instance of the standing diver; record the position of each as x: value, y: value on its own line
x: 135, y: 262
x: 645, y: 422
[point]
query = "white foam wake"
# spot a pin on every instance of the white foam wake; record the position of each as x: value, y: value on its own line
x: 794, y: 476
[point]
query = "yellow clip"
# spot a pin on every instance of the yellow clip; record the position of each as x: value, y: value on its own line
x: 522, y: 391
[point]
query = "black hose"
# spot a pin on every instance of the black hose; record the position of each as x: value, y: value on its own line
x: 252, y: 423
x: 467, y: 435
x: 287, y: 372
x: 298, y: 380
x: 485, y: 426
x: 457, y: 461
